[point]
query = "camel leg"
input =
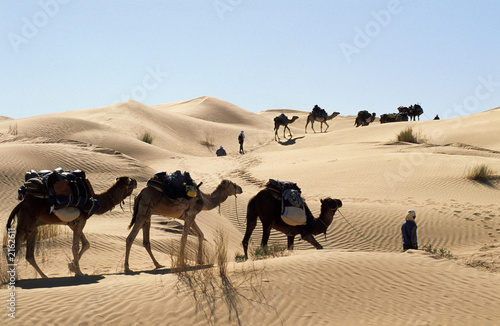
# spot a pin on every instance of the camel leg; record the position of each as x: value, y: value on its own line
x: 147, y: 244
x: 85, y: 245
x: 327, y: 126
x: 200, y: 235
x: 188, y: 222
x: 309, y: 238
x: 30, y: 252
x: 251, y: 224
x: 312, y: 126
x: 276, y: 134
x: 305, y: 129
x: 265, y: 237
x: 83, y: 239
x: 77, y: 236
x: 290, y: 242
x: 139, y: 223
x: 288, y: 132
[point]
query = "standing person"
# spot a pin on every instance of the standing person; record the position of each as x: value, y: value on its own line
x: 241, y: 139
x: 409, y: 231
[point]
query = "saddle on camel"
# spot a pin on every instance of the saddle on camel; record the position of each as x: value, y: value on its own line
x: 319, y: 112
x: 68, y: 192
x: 175, y: 185
x: 294, y: 210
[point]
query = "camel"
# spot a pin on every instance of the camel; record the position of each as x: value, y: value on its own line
x: 151, y: 200
x: 323, y: 119
x: 282, y: 120
x: 364, y: 118
x: 33, y: 211
x: 268, y: 209
x: 415, y: 112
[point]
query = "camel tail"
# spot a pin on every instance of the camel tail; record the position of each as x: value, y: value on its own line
x: 13, y: 215
x: 136, y: 209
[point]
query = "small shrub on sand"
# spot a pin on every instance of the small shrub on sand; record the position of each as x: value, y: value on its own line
x: 439, y: 253
x: 274, y: 250
x: 481, y: 173
x: 409, y: 135
x: 209, y: 142
x: 147, y: 137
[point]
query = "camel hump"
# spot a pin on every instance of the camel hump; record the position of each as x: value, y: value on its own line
x: 61, y: 188
x: 175, y: 185
x: 277, y: 187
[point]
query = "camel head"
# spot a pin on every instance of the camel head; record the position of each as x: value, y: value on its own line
x: 373, y: 117
x: 330, y: 204
x: 294, y: 118
x: 126, y: 185
x: 231, y: 187
x: 333, y: 115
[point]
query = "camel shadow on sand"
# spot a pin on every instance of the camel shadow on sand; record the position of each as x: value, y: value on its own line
x: 55, y: 282
x: 164, y: 271
x: 290, y: 141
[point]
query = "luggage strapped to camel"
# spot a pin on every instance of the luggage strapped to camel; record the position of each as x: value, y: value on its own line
x: 293, y: 211
x: 67, y: 192
x: 175, y: 185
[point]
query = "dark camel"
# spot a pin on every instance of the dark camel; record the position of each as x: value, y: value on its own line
x: 282, y: 120
x: 415, y: 112
x: 364, y: 118
x: 151, y: 201
x: 268, y: 209
x: 323, y: 119
x: 33, y: 211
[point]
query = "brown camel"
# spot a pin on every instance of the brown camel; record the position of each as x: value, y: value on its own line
x: 323, y: 119
x: 268, y: 209
x: 33, y: 211
x: 282, y: 120
x: 151, y: 201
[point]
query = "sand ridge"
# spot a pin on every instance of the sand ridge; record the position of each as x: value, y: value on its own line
x: 360, y: 278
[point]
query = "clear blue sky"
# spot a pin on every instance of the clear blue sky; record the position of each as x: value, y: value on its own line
x: 346, y: 56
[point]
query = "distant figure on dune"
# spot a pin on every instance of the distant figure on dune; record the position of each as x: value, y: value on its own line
x: 221, y: 151
x: 409, y: 231
x: 436, y: 117
x: 241, y: 139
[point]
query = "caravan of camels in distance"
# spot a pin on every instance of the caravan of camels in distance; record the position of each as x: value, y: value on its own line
x: 364, y: 118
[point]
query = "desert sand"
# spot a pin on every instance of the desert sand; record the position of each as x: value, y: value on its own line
x: 361, y: 277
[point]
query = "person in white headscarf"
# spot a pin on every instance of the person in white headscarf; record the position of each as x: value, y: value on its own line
x: 241, y: 139
x: 409, y: 231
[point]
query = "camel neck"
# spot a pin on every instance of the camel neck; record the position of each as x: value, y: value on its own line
x: 323, y: 221
x: 109, y: 199
x: 214, y: 199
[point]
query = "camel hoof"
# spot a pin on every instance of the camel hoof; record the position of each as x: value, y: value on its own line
x: 159, y: 266
x: 129, y: 271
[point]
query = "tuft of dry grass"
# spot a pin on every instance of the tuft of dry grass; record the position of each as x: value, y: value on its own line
x: 408, y: 135
x: 210, y: 286
x: 480, y: 173
x: 209, y: 142
x: 147, y: 137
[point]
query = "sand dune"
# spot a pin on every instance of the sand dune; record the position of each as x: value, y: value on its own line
x: 360, y: 278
